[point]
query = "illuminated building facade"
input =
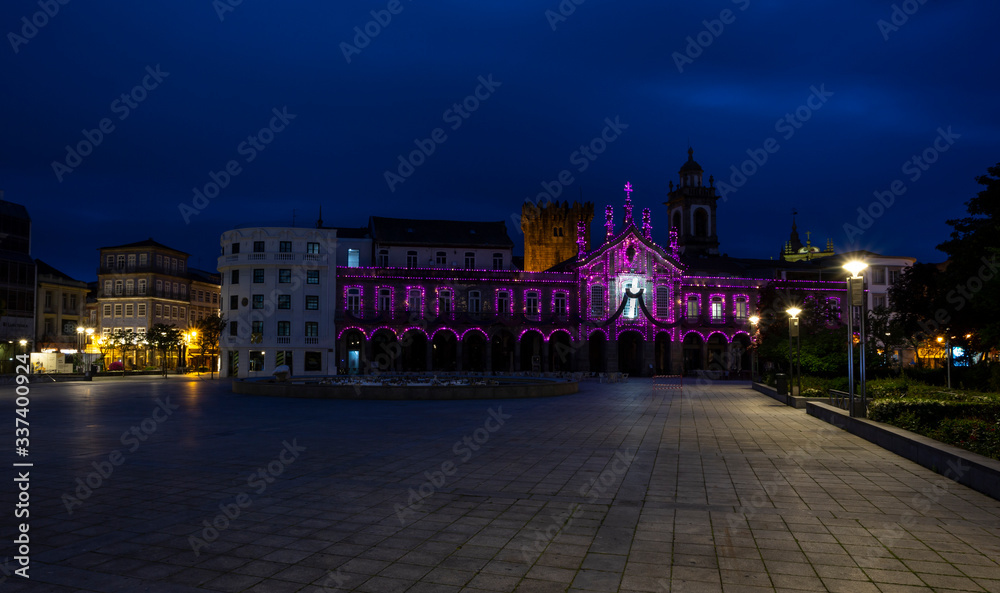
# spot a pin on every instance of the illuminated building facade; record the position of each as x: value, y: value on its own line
x: 17, y: 283
x: 60, y: 310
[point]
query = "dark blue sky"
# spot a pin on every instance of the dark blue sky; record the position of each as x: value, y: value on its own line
x: 892, y: 89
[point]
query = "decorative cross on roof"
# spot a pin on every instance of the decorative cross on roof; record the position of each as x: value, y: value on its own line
x: 628, y: 189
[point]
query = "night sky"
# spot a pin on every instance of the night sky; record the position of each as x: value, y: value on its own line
x: 725, y: 76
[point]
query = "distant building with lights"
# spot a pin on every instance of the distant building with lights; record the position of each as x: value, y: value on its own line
x: 17, y: 283
x: 435, y: 295
x: 60, y: 310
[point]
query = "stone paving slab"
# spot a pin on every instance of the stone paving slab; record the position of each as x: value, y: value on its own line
x: 616, y: 488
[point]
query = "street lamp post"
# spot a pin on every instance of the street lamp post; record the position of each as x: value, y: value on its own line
x: 855, y: 298
x: 754, y: 320
x: 793, y: 331
x: 947, y: 357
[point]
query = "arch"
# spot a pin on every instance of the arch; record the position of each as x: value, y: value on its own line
x: 630, y: 353
x: 700, y: 216
x: 413, y: 342
x: 692, y: 351
x: 434, y: 333
x: 474, y: 350
x: 722, y: 335
x: 597, y: 352
x: 502, y: 347
x: 474, y: 330
x: 661, y: 353
x: 343, y: 331
x: 385, y: 350
x: 717, y: 347
x: 531, y: 341
x: 560, y: 351
x: 352, y: 351
x: 444, y: 350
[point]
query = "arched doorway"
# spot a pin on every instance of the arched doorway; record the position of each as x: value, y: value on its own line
x: 502, y: 345
x: 385, y: 352
x: 352, y: 352
x: 739, y: 353
x: 630, y: 353
x: 597, y: 352
x: 717, y: 352
x: 560, y: 352
x: 444, y: 351
x: 661, y: 354
x: 692, y: 352
x: 414, y: 344
x: 474, y: 351
x: 531, y: 351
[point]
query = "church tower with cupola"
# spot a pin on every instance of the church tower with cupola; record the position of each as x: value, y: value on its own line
x: 691, y: 210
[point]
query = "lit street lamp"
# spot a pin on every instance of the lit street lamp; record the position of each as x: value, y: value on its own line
x: 793, y: 331
x: 754, y: 320
x: 855, y: 298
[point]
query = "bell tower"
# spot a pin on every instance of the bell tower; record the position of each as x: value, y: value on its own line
x: 550, y: 232
x: 691, y: 210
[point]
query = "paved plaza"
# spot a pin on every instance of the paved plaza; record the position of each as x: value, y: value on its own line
x: 178, y: 485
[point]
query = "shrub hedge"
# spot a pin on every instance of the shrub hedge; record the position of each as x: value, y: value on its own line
x: 971, y: 425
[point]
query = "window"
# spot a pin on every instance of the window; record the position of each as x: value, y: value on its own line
x: 441, y: 258
x: 631, y: 309
x: 110, y: 261
x: 312, y: 329
x: 131, y: 261
x: 143, y: 259
x: 159, y: 260
x: 312, y: 247
x: 215, y: 297
x: 159, y: 310
x: 118, y: 287
x: 385, y: 299
x: 121, y: 262
x: 411, y: 259
x: 257, y: 327
x: 893, y: 276
x: 413, y: 300
x: 258, y: 276
x: 183, y: 313
x: 531, y: 303
x: 559, y: 304
x: 258, y: 247
x: 107, y: 310
x: 258, y: 301
x: 475, y: 302
x: 141, y: 310
x: 557, y: 231
x: 312, y: 303
x: 159, y: 288
x: 497, y: 261
x: 878, y: 300
x: 256, y: 360
x: 382, y: 258
x: 353, y: 258
x: 470, y: 260
x: 878, y: 275
x: 444, y: 302
x: 284, y: 301
x: 312, y: 276
x: 236, y: 248
x: 503, y: 302
x: 716, y: 306
x: 354, y: 300
x: 285, y: 246
x: 142, y: 287
x: 597, y: 300
x: 692, y: 307
x: 312, y: 361
x: 741, y: 308
x: 234, y: 277
x: 129, y: 310
x: 118, y: 310
x: 107, y: 288
x: 284, y: 276
x: 129, y: 287
x: 233, y: 328
x: 284, y: 328
x: 662, y: 302
x: 234, y: 302
x: 173, y: 312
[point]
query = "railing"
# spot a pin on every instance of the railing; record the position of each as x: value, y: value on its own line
x: 312, y: 340
x: 284, y: 340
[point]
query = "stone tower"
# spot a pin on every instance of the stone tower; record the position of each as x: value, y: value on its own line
x: 550, y: 232
x: 691, y: 210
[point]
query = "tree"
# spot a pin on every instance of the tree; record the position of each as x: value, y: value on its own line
x: 822, y: 336
x: 209, y: 332
x: 127, y: 341
x: 163, y: 338
x: 916, y: 298
x: 884, y: 335
x: 972, y: 285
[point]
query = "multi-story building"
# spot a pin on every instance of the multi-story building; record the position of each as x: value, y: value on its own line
x: 17, y: 283
x: 278, y: 288
x: 145, y: 283
x: 60, y: 310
